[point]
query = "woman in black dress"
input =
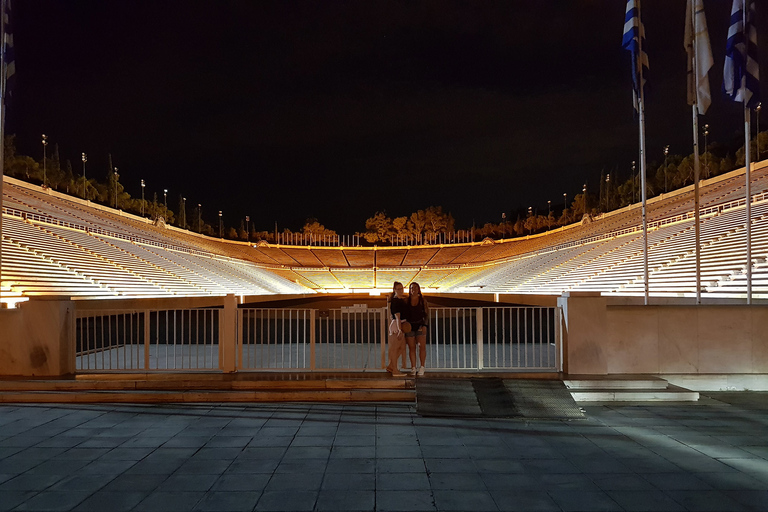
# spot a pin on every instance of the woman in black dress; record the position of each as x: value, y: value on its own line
x: 396, y: 305
x: 418, y: 316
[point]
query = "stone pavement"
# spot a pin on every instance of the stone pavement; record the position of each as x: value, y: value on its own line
x: 711, y: 455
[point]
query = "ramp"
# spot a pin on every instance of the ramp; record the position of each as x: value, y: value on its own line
x: 496, y: 398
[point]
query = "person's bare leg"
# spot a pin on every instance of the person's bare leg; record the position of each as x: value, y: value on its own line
x: 411, y: 341
x: 421, y: 339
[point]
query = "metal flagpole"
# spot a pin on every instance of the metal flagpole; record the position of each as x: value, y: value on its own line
x: 3, y: 14
x: 696, y: 163
x: 641, y: 118
x: 747, y: 163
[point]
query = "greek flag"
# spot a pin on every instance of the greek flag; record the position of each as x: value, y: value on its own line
x: 741, y: 76
x: 634, y: 42
x: 8, y: 60
x: 698, y: 48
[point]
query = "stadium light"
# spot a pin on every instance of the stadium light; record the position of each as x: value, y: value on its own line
x: 565, y: 205
x: 666, y: 153
x: 248, y: 228
x: 117, y: 177
x: 549, y: 215
x: 220, y: 224
x: 183, y: 216
x: 503, y: 224
x: 199, y: 218
x: 84, y: 158
x: 706, y: 162
x: 45, y: 143
x: 584, y: 194
x: 142, y: 197
x: 165, y: 198
x: 633, y: 180
x: 607, y: 192
x: 757, y: 122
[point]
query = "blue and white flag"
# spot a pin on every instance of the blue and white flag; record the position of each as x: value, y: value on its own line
x: 634, y: 42
x: 698, y: 48
x: 741, y: 75
x: 7, y: 60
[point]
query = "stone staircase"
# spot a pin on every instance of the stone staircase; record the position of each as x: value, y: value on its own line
x: 626, y: 388
x: 210, y: 387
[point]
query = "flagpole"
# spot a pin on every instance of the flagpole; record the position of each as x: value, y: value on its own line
x: 3, y: 14
x: 696, y: 162
x: 747, y: 163
x: 641, y: 121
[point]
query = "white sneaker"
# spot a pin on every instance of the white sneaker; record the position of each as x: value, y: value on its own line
x: 421, y: 371
x: 413, y: 371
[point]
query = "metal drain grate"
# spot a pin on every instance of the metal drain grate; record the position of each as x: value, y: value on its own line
x: 542, y: 399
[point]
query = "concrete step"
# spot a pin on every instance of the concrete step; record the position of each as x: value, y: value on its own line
x: 580, y: 382
x: 669, y: 394
x: 141, y: 388
x: 195, y: 396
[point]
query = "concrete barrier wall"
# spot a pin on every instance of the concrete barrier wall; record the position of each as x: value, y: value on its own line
x: 706, y: 339
x: 36, y: 340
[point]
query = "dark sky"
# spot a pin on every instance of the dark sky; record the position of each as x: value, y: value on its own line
x: 286, y: 110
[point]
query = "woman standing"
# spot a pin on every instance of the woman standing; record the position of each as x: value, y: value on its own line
x: 396, y: 305
x: 418, y: 316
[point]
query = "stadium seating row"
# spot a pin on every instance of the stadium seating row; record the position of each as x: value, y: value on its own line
x: 55, y: 244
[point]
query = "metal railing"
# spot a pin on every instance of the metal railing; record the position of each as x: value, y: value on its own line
x: 343, y: 339
x: 494, y: 338
x: 166, y: 339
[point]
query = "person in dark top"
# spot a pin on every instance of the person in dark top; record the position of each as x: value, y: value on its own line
x: 396, y: 305
x: 417, y: 315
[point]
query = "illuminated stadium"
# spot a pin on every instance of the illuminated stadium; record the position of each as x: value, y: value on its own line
x: 57, y: 245
x: 102, y: 291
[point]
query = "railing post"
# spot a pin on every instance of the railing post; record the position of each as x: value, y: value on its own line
x: 559, y: 338
x: 479, y: 316
x: 384, y: 336
x: 228, y: 334
x: 147, y: 316
x: 312, y: 338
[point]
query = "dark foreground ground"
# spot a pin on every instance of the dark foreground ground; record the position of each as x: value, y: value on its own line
x: 711, y: 455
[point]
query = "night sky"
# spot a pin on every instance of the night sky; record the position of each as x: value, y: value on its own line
x: 289, y: 110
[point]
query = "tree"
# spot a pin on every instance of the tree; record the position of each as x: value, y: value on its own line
x: 378, y: 228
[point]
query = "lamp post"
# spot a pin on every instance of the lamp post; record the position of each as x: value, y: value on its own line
x: 607, y: 192
x: 45, y: 143
x: 142, y: 197
x: 757, y: 136
x: 117, y: 177
x: 183, y: 219
x: 565, y: 206
x: 530, y: 222
x: 220, y: 224
x: 584, y: 195
x: 165, y: 198
x: 549, y: 215
x: 633, y: 180
x: 666, y: 153
x: 248, y: 228
x: 503, y: 224
x: 84, y: 158
x: 199, y: 218
x: 706, y: 149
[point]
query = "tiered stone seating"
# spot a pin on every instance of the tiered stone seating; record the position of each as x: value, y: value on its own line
x: 65, y: 246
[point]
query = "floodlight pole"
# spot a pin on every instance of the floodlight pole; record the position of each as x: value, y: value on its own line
x: 117, y: 177
x: 84, y: 158
x: 45, y: 143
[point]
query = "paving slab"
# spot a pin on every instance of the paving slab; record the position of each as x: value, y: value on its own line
x: 383, y: 457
